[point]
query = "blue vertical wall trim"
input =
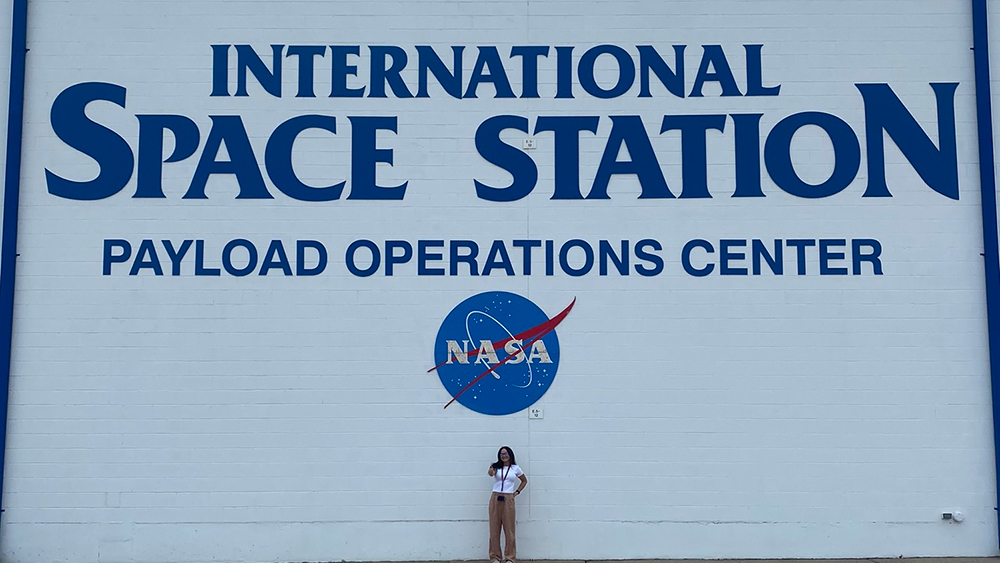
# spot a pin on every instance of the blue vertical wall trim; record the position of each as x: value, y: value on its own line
x: 11, y: 193
x: 987, y: 184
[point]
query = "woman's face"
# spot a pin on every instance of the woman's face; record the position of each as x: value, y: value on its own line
x: 505, y: 456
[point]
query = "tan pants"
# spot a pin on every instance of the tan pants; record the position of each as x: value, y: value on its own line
x: 502, y: 517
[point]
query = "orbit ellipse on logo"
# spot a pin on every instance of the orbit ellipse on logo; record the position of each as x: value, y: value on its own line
x: 497, y: 352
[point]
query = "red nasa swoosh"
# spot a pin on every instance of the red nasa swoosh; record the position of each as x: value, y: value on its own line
x: 535, y: 333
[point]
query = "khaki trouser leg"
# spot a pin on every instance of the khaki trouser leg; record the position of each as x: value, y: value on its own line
x: 502, y: 517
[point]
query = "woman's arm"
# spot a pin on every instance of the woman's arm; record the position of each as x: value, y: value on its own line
x: 492, y: 471
x: 524, y: 483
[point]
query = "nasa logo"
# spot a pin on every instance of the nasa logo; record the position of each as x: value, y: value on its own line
x: 488, y: 367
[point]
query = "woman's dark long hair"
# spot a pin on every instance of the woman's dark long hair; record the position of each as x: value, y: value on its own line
x: 499, y: 463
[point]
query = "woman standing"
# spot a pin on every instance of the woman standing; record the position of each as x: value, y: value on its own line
x: 505, y: 473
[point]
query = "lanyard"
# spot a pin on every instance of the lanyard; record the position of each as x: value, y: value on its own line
x: 503, y: 479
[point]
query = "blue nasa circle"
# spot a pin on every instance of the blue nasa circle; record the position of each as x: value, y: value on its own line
x: 495, y: 316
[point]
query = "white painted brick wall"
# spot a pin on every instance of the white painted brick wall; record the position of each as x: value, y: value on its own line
x: 5, y: 22
x: 291, y: 419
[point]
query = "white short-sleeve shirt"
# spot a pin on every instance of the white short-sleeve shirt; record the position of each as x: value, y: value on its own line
x: 505, y: 479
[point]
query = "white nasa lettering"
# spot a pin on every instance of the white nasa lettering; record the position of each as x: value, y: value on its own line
x: 515, y: 348
x: 455, y: 352
x: 538, y: 350
x: 487, y: 355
